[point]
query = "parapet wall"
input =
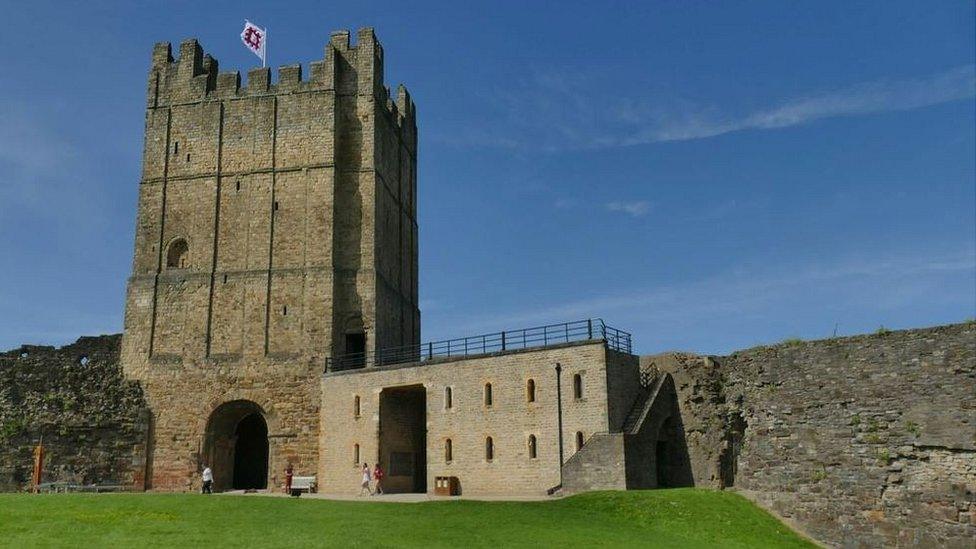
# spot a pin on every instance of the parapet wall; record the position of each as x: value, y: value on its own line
x: 93, y: 422
x: 859, y: 441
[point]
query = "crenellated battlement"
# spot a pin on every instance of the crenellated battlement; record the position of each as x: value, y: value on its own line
x: 346, y: 69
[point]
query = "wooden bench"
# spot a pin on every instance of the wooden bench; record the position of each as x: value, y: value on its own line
x: 302, y: 484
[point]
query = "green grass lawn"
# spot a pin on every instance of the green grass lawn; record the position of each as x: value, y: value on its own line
x: 659, y: 518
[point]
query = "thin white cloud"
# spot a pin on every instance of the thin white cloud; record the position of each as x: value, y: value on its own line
x: 865, y: 98
x: 636, y: 208
x: 27, y: 145
x: 768, y: 294
x: 42, y: 173
x: 33, y: 158
x: 552, y: 112
x: 951, y: 85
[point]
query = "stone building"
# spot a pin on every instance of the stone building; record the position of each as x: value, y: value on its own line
x: 277, y: 229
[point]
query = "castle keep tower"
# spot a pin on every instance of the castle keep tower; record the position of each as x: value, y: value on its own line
x: 276, y: 226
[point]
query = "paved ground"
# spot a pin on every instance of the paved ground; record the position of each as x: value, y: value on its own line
x: 390, y: 498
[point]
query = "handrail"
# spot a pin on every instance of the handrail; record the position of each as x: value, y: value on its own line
x: 524, y: 338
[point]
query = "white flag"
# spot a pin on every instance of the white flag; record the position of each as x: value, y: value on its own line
x: 256, y: 39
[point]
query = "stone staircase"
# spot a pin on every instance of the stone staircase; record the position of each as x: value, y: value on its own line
x: 600, y: 463
x: 651, y: 383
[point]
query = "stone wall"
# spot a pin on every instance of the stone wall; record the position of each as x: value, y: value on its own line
x: 92, y: 421
x: 600, y: 465
x: 866, y: 440
x: 699, y: 384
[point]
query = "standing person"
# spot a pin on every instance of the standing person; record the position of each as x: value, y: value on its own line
x: 289, y: 473
x: 366, y: 478
x: 207, y: 480
x: 378, y: 475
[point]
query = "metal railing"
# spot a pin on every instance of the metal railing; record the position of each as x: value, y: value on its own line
x: 540, y: 336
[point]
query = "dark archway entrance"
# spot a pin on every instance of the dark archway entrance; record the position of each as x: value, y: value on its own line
x: 251, y: 453
x: 661, y: 454
x: 236, y: 446
x: 403, y: 438
x: 657, y: 451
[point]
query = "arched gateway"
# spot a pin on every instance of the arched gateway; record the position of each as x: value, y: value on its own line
x: 236, y: 446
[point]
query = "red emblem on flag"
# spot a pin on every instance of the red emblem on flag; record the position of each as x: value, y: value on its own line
x: 252, y: 37
x: 255, y: 39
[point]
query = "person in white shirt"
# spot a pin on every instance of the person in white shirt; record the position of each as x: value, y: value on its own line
x: 207, y: 480
x: 366, y: 478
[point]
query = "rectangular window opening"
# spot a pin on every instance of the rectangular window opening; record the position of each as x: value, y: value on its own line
x: 356, y: 348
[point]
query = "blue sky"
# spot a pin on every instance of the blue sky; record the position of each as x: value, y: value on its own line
x: 708, y: 177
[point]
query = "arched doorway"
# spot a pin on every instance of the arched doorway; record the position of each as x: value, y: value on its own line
x: 236, y: 446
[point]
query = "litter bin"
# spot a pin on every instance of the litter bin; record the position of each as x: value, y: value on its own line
x: 446, y: 486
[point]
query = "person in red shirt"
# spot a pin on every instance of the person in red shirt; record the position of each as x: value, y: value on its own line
x: 378, y: 475
x: 289, y: 473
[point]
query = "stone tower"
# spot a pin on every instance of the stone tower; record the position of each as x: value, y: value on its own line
x: 276, y: 227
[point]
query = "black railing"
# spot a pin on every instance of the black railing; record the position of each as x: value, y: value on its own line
x: 540, y: 336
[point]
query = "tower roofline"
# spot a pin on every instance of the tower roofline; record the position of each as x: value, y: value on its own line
x: 194, y: 75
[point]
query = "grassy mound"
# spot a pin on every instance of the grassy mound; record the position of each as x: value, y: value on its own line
x: 659, y: 518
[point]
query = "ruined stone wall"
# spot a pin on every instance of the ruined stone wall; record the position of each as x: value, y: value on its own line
x: 863, y: 440
x: 699, y: 384
x: 859, y: 441
x: 93, y: 422
x: 510, y: 419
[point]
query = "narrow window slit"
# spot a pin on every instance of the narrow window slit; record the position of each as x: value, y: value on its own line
x: 578, y: 386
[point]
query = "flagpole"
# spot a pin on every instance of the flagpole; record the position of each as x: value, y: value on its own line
x: 264, y: 58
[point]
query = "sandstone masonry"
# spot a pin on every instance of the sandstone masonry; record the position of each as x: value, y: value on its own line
x: 276, y: 227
